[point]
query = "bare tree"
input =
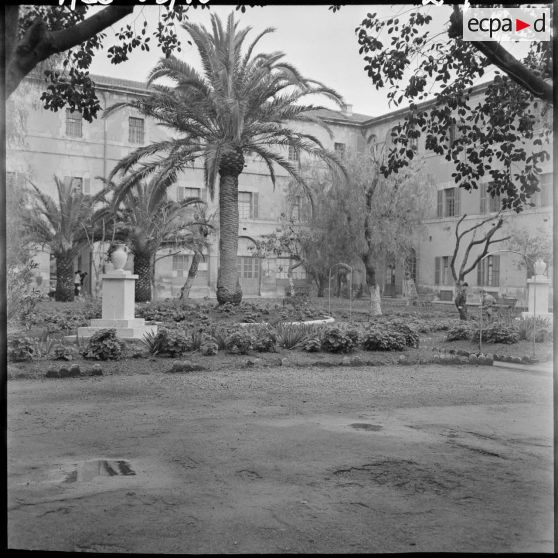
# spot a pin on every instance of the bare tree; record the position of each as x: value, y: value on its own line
x: 468, y: 239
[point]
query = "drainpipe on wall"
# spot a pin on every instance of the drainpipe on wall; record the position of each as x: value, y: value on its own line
x: 104, y: 136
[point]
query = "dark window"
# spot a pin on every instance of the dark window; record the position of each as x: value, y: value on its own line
x: 181, y: 264
x: 135, y: 130
x: 448, y: 204
x: 248, y: 205
x: 73, y: 124
x: 488, y: 272
x: 411, y: 266
x: 488, y: 203
x: 294, y: 153
x: 339, y: 149
x: 184, y: 193
x: 442, y: 275
x: 248, y: 267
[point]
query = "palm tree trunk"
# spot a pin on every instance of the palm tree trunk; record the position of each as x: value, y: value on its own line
x: 142, y: 268
x: 192, y: 272
x: 228, y: 285
x: 375, y: 301
x: 64, y: 277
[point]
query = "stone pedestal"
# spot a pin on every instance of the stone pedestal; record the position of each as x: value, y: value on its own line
x: 538, y: 290
x: 118, y: 308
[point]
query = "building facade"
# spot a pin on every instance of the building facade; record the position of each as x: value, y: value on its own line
x: 65, y: 145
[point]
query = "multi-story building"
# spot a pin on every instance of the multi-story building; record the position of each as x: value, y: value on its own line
x: 65, y: 145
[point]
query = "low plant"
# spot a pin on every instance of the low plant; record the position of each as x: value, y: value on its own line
x: 154, y: 342
x: 337, y: 340
x: 543, y: 329
x: 378, y: 338
x: 497, y: 332
x: 104, y: 345
x: 410, y: 334
x: 290, y: 336
x: 461, y: 330
x: 265, y: 340
x: 21, y: 349
x: 312, y: 344
x: 177, y: 343
x: 62, y: 352
x: 239, y: 342
x: 220, y: 334
x: 209, y: 347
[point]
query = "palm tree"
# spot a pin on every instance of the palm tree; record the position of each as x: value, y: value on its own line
x: 63, y: 227
x: 240, y: 102
x: 147, y: 219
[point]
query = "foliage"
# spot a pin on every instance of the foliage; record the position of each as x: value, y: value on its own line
x: 239, y: 342
x: 500, y: 126
x: 543, y: 329
x: 378, y: 338
x: 176, y: 342
x: 497, y: 332
x: 461, y: 330
x: 220, y: 334
x: 533, y: 245
x: 21, y: 349
x: 62, y: 352
x: 22, y: 298
x: 408, y: 331
x: 290, y: 335
x: 265, y: 340
x: 209, y: 347
x: 312, y: 344
x: 154, y: 342
x: 69, y: 39
x: 338, y: 340
x: 104, y: 345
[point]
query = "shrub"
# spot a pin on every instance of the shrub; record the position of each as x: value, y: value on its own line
x: 265, y: 340
x: 209, y: 347
x: 543, y: 329
x: 497, y: 333
x: 177, y: 342
x: 104, y: 345
x: 378, y: 338
x: 290, y: 336
x: 239, y: 342
x: 312, y: 344
x: 62, y: 352
x: 461, y: 330
x: 154, y: 342
x: 21, y: 349
x: 220, y: 334
x: 410, y: 334
x: 337, y: 340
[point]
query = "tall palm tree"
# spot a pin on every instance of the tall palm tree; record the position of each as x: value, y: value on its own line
x: 63, y: 226
x: 240, y: 102
x: 147, y: 219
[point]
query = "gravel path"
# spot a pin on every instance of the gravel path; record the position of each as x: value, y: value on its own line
x: 370, y: 459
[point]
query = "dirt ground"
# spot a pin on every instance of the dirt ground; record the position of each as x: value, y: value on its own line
x: 277, y: 460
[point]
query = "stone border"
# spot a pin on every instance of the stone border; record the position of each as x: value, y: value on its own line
x: 328, y: 320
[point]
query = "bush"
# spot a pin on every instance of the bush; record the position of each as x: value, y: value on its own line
x: 104, y: 345
x: 154, y: 342
x: 379, y: 338
x: 497, y: 333
x: 410, y: 334
x: 176, y: 342
x: 312, y: 344
x: 543, y: 329
x: 265, y: 340
x: 21, y: 349
x: 239, y: 342
x: 220, y: 334
x: 209, y: 347
x: 337, y: 340
x: 290, y: 336
x: 62, y: 352
x: 461, y: 330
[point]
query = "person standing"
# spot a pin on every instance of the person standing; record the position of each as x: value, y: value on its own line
x: 461, y: 300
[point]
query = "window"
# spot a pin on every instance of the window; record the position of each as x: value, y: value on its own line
x: 448, y: 202
x: 248, y: 205
x: 411, y: 265
x: 77, y: 184
x: 135, y: 130
x: 73, y: 124
x: 442, y: 275
x: 543, y: 198
x: 488, y: 272
x: 295, y: 208
x: 180, y: 265
x: 294, y: 153
x: 283, y: 269
x: 184, y: 193
x: 248, y: 267
x: 339, y: 149
x: 413, y: 144
x: 453, y: 134
x: 488, y: 203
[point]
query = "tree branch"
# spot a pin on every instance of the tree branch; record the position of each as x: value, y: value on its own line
x: 39, y: 43
x: 501, y: 58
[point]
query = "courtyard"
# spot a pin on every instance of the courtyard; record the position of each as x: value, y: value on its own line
x: 279, y: 459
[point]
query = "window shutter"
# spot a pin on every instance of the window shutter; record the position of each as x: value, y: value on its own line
x: 87, y: 186
x: 204, y: 194
x: 440, y: 208
x: 255, y: 205
x: 483, y: 198
x: 179, y: 193
x: 495, y: 271
x: 480, y: 273
x: 437, y: 271
x: 457, y: 195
